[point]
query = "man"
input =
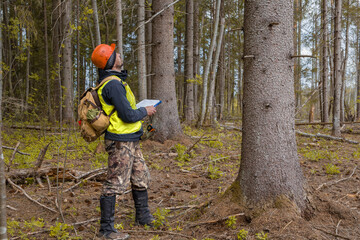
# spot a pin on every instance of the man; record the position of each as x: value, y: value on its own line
x: 126, y: 163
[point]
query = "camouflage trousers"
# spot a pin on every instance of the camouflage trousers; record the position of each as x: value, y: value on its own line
x: 126, y: 165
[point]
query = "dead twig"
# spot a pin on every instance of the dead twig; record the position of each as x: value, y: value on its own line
x: 11, y: 148
x: 77, y: 184
x: 332, y: 234
x: 30, y: 198
x: 190, y: 148
x: 181, y: 207
x: 328, y: 137
x: 10, y: 207
x: 337, y: 226
x: 337, y: 181
x: 88, y: 173
x: 216, y: 221
x: 13, y: 155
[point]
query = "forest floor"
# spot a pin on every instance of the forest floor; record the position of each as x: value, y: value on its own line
x: 185, y: 189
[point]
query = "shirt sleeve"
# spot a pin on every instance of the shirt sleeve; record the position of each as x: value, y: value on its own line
x: 114, y: 93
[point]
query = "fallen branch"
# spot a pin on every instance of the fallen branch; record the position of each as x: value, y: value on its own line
x: 11, y: 148
x: 10, y: 207
x: 88, y: 173
x: 214, y: 160
x: 30, y: 198
x: 216, y: 221
x: 328, y: 137
x: 190, y: 148
x: 230, y: 127
x: 77, y: 184
x: 181, y: 207
x: 332, y: 234
x: 337, y: 181
x: 13, y: 155
x: 31, y: 127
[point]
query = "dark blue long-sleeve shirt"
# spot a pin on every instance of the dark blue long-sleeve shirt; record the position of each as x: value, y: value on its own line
x: 114, y: 93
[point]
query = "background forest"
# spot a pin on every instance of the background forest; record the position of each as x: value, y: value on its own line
x: 46, y: 49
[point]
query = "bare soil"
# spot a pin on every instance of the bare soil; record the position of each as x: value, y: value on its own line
x: 196, y: 208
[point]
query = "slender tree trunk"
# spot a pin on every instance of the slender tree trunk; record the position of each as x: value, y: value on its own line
x: 148, y: 33
x: 78, y: 57
x: 179, y: 75
x: 47, y: 72
x: 96, y: 22
x: 166, y: 120
x: 297, y: 42
x: 56, y: 23
x: 27, y: 79
x: 222, y: 81
x: 3, y: 225
x: 358, y: 69
x: 324, y: 71
x: 67, y: 65
x: 141, y: 51
x: 208, y: 64
x: 9, y: 46
x: 337, y: 70
x: 189, y: 62
x: 269, y: 166
x: 211, y: 102
x: 343, y: 68
x: 119, y: 27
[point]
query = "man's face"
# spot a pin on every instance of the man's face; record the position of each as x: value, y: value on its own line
x: 118, y: 63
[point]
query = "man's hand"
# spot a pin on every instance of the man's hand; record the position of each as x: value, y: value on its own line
x: 151, y: 110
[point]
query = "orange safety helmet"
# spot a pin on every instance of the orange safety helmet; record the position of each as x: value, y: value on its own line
x: 104, y: 56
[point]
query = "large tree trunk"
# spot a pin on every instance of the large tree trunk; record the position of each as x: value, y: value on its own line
x: 3, y: 233
x: 96, y: 22
x: 119, y: 28
x: 208, y: 64
x: 68, y: 93
x: 166, y: 120
x: 337, y: 70
x: 269, y: 163
x: 324, y: 64
x: 141, y: 51
x: 189, y: 62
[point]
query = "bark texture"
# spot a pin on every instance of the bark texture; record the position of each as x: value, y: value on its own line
x: 324, y: 72
x: 166, y: 120
x: 96, y: 22
x: 141, y: 51
x: 189, y: 62
x: 67, y: 65
x: 119, y: 28
x: 337, y: 70
x: 269, y: 162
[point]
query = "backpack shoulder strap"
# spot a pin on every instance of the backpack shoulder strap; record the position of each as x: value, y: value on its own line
x: 105, y: 80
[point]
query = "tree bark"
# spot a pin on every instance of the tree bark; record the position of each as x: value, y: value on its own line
x: 337, y: 70
x: 196, y: 61
x: 211, y: 103
x: 96, y: 22
x: 324, y: 64
x: 148, y: 37
x: 119, y: 27
x: 47, y: 72
x: 189, y: 62
x: 343, y: 68
x: 141, y: 51
x: 68, y: 94
x: 269, y: 166
x: 27, y: 78
x: 208, y: 64
x: 358, y: 69
x: 3, y: 224
x: 166, y: 120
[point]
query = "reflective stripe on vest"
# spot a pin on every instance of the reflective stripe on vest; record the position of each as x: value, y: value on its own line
x: 117, y: 125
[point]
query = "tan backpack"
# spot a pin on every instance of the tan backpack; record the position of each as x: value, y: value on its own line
x: 93, y: 120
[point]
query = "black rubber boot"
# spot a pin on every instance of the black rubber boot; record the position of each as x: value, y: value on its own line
x: 107, y: 229
x: 143, y: 216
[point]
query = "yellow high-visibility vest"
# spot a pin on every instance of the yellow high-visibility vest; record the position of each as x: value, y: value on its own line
x: 117, y: 125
